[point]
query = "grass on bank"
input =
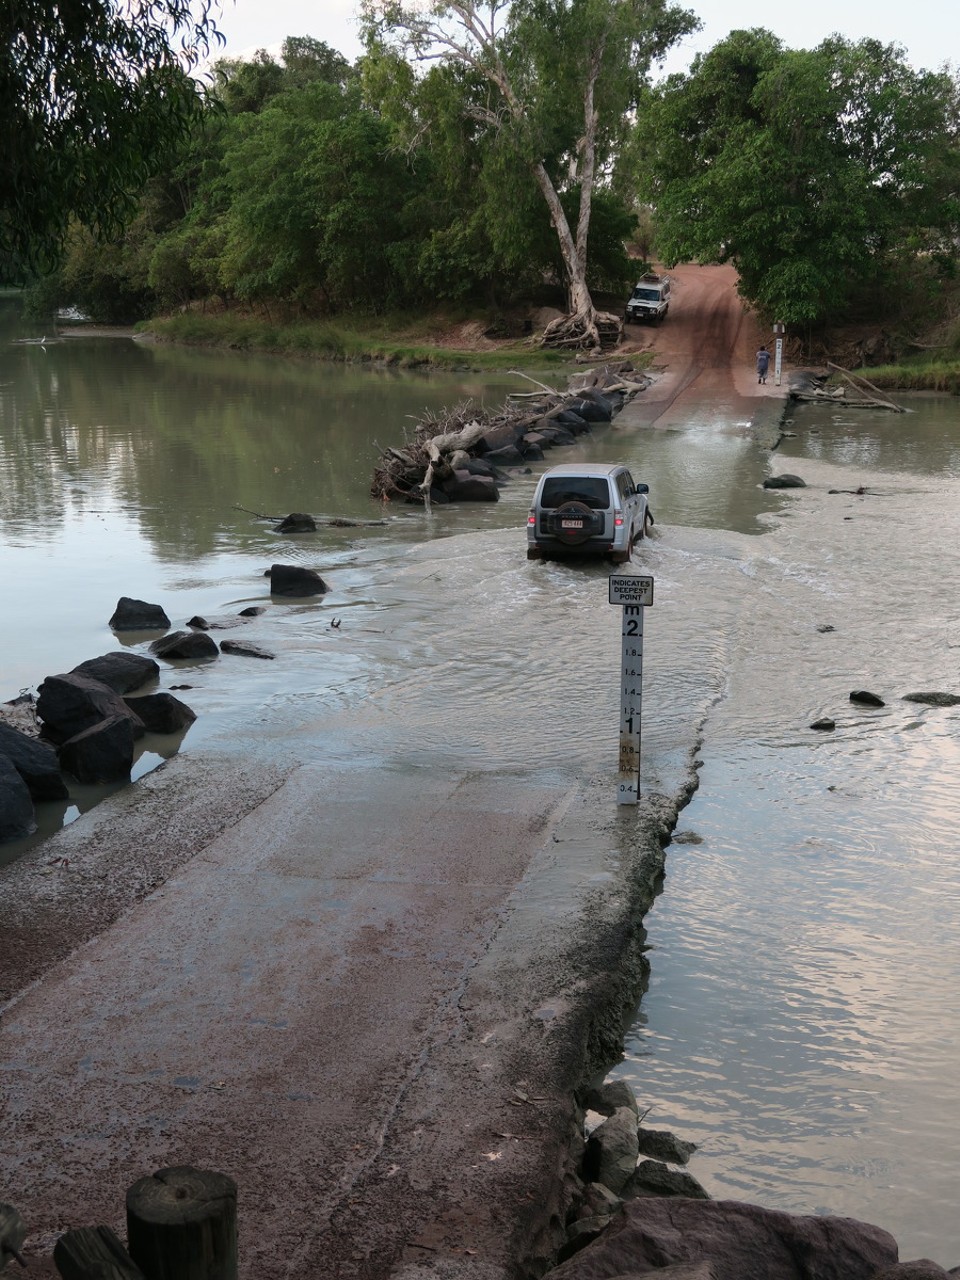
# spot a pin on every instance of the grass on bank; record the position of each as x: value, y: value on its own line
x: 924, y: 375
x: 400, y: 343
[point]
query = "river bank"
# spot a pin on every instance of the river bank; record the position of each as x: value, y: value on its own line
x: 445, y: 340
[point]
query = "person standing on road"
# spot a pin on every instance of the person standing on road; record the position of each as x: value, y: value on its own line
x: 763, y: 364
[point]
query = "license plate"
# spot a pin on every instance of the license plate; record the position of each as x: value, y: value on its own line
x: 571, y: 524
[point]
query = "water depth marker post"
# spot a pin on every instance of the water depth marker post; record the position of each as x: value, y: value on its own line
x: 635, y: 593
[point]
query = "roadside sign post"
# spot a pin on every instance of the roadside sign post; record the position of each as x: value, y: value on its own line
x: 635, y: 593
x: 779, y: 330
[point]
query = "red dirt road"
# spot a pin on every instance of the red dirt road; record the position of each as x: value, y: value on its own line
x: 703, y: 352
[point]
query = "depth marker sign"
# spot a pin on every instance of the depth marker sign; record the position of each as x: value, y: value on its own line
x: 635, y: 593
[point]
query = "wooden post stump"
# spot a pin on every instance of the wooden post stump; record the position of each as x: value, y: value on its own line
x: 182, y: 1225
x: 94, y: 1253
x: 13, y: 1232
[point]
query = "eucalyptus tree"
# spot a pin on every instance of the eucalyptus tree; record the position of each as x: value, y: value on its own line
x: 552, y: 83
x: 92, y: 93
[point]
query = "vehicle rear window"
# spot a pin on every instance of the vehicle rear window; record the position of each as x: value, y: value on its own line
x: 591, y: 490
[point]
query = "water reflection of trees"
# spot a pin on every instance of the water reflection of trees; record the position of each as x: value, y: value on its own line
x: 175, y: 438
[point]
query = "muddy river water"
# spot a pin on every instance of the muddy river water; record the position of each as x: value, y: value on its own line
x: 801, y: 1020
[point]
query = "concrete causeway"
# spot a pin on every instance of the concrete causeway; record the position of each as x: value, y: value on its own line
x: 372, y: 1015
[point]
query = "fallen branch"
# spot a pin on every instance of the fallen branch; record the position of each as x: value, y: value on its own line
x: 259, y: 514
x: 335, y: 522
x: 551, y: 391
x: 854, y: 379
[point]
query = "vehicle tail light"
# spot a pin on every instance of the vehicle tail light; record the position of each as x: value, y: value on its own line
x: 532, y: 518
x: 618, y: 518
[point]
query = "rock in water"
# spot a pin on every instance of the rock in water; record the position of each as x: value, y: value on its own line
x: 294, y: 580
x: 866, y: 698
x: 137, y: 615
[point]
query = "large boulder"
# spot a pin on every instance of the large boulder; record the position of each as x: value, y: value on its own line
x: 575, y: 423
x: 69, y: 704
x: 467, y: 488
x: 103, y: 753
x: 35, y: 762
x: 162, y: 712
x: 137, y: 615
x: 17, y: 818
x: 295, y: 580
x: 786, y: 481
x: 556, y: 437
x: 735, y: 1240
x: 591, y: 410
x: 608, y: 1097
x: 654, y: 1178
x: 612, y: 1150
x: 661, y: 1144
x: 866, y: 698
x: 500, y: 436
x: 933, y: 699
x: 244, y: 649
x: 608, y: 402
x: 121, y: 671
x: 185, y: 644
x: 506, y: 456
x: 297, y: 522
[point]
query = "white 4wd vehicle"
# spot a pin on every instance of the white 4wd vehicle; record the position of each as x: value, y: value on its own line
x: 587, y: 509
x: 650, y: 300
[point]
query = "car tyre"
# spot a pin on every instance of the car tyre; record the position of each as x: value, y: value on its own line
x: 534, y: 553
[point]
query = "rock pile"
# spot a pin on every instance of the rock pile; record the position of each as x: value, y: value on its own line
x: 460, y: 455
x: 83, y: 723
x: 638, y: 1216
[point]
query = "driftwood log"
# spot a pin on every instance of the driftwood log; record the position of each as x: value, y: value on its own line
x: 443, y: 444
x: 94, y: 1253
x: 858, y: 381
x: 860, y: 385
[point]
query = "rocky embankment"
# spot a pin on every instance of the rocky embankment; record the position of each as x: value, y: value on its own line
x: 638, y: 1212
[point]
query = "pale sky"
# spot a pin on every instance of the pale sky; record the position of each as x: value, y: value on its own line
x: 929, y: 30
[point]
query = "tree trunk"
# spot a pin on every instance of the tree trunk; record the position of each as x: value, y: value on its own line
x: 579, y: 328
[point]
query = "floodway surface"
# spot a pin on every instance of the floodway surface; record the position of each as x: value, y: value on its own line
x: 372, y: 1016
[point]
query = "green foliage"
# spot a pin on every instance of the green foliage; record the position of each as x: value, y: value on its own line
x: 107, y: 280
x: 41, y: 298
x: 528, y: 104
x: 92, y: 96
x: 810, y: 170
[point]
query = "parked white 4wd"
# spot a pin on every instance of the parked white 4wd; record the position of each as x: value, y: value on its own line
x: 650, y: 300
x: 587, y: 509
